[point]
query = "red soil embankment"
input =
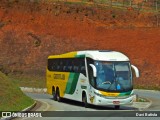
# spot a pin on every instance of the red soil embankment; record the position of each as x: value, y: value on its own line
x: 28, y: 36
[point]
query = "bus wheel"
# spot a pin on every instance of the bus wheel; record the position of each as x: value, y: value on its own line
x: 58, y: 96
x: 84, y: 99
x: 117, y: 107
x: 54, y: 95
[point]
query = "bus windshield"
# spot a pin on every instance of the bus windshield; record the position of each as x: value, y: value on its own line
x: 113, y: 76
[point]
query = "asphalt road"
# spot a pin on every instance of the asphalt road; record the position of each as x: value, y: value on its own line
x: 47, y: 104
x: 154, y: 96
x: 68, y: 105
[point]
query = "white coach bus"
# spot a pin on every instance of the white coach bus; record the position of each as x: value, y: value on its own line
x: 92, y: 77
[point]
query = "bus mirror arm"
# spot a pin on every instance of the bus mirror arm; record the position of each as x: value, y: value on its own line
x: 94, y: 70
x: 135, y: 70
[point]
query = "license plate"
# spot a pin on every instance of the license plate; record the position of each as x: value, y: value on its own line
x: 116, y: 102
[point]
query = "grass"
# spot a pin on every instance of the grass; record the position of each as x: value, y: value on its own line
x: 106, y: 3
x: 147, y: 87
x: 142, y: 100
x: 11, y: 97
x: 75, y: 3
x: 29, y: 80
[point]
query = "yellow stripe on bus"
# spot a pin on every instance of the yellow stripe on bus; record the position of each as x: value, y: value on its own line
x: 109, y: 94
x: 67, y: 55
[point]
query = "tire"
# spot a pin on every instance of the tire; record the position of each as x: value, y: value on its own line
x: 84, y: 99
x: 117, y: 107
x: 58, y: 96
x: 54, y: 95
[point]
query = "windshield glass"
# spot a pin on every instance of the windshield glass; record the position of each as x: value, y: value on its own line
x: 113, y: 76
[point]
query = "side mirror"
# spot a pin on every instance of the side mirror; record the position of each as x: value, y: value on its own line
x: 94, y: 70
x: 135, y: 70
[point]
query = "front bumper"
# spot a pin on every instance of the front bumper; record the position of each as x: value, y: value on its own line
x: 113, y: 101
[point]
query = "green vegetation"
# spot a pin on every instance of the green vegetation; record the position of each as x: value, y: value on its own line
x: 140, y: 99
x: 28, y: 80
x: 117, y: 5
x: 147, y: 87
x: 11, y: 97
x: 75, y: 3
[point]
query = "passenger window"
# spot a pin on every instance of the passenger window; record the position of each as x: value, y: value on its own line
x: 75, y: 69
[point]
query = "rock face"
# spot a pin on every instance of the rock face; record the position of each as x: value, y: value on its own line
x: 29, y: 32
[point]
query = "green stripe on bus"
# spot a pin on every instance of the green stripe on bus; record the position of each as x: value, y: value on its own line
x: 125, y: 93
x: 72, y: 83
x: 80, y: 56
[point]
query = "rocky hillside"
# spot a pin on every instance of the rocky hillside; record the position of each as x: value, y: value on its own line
x: 29, y: 32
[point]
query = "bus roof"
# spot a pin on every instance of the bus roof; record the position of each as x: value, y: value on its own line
x: 102, y: 55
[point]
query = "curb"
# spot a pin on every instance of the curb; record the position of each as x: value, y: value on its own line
x: 147, y: 106
x: 141, y: 106
x: 24, y: 110
x: 150, y: 103
x: 30, y: 107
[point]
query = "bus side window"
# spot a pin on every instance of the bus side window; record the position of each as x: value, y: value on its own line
x: 83, y: 71
x: 74, y: 65
x: 91, y: 78
x: 75, y: 69
x: 49, y: 64
x: 70, y: 64
x: 59, y: 65
x: 54, y: 67
x: 70, y: 68
x: 67, y: 66
x: 81, y: 66
x: 64, y: 68
x: 57, y: 68
x: 90, y: 71
x: 64, y: 65
x: 67, y: 63
x: 52, y: 64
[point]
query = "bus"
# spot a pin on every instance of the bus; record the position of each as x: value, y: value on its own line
x: 98, y: 77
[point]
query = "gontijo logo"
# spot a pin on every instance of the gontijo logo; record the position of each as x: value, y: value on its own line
x: 13, y: 114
